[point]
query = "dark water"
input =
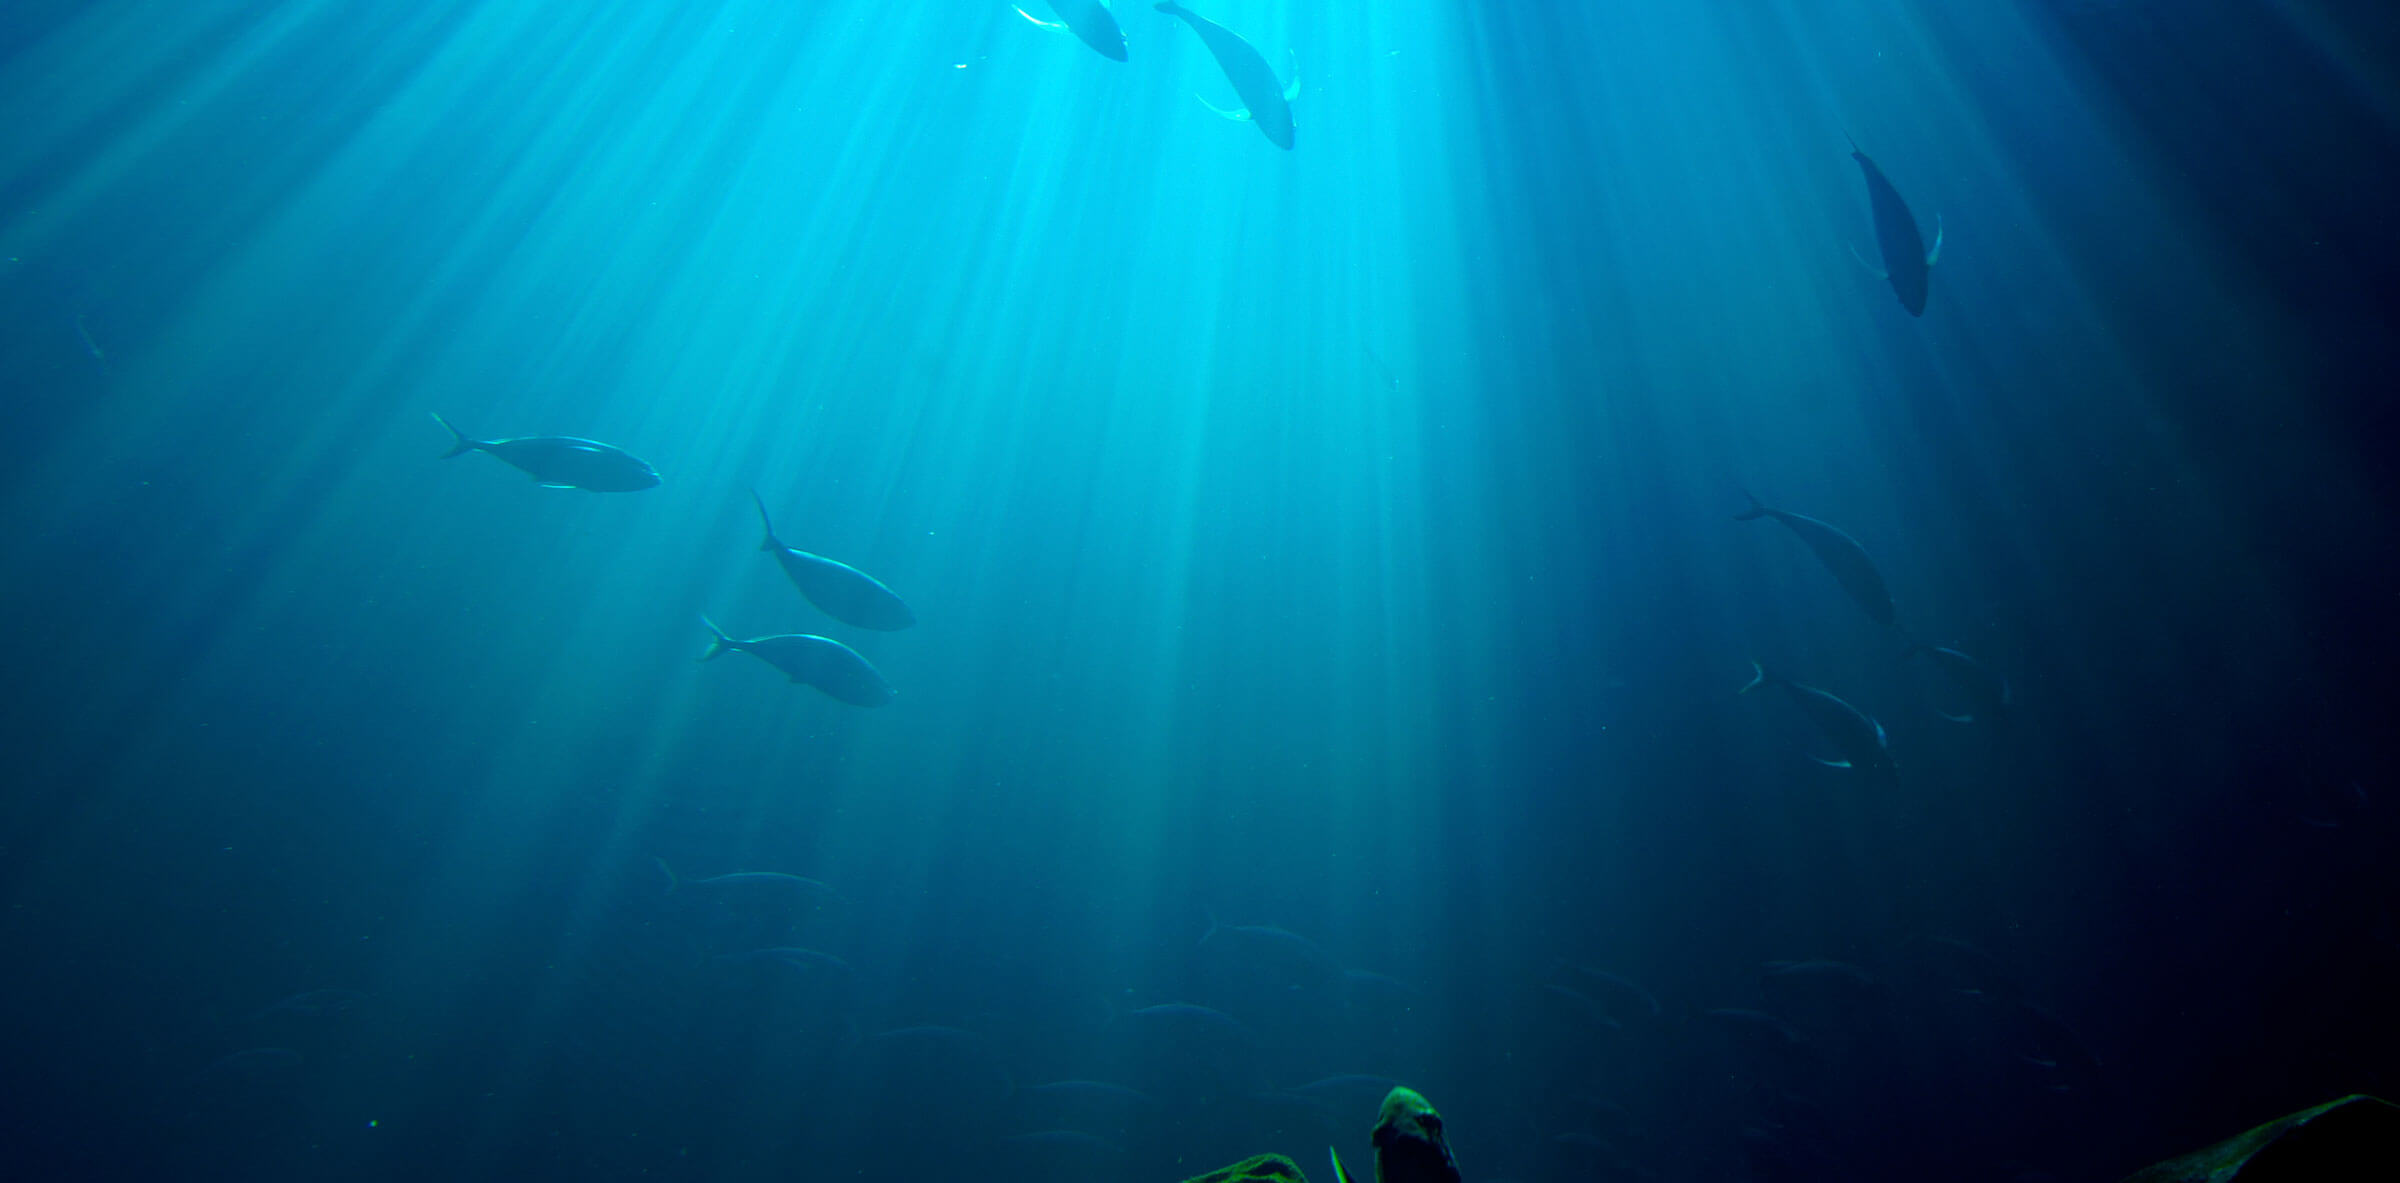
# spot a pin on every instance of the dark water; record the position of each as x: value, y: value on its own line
x: 1334, y: 545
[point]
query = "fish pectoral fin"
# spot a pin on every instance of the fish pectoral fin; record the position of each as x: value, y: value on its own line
x: 1053, y: 26
x: 1831, y: 763
x: 551, y: 484
x: 1879, y: 272
x: 1291, y: 90
x: 1238, y: 114
x: 1339, y: 1174
x: 1935, y: 255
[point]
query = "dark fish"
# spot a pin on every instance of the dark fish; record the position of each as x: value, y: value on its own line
x: 932, y: 1057
x: 561, y: 461
x: 1969, y: 970
x: 821, y: 662
x: 1841, y: 555
x: 2051, y: 1044
x: 1335, y: 1093
x: 1622, y: 987
x: 1855, y: 733
x: 1090, y: 21
x: 1091, y: 1090
x: 841, y: 591
x: 1834, y: 973
x: 1362, y: 984
x: 793, y: 956
x: 1583, y: 1006
x: 1906, y: 262
x: 1191, y: 1016
x: 927, y: 1035
x: 1764, y: 1034
x: 2335, y: 807
x: 247, y: 1065
x: 780, y: 879
x: 1281, y: 954
x: 1988, y: 693
x: 312, y: 1004
x: 1268, y: 102
x: 1071, y: 1140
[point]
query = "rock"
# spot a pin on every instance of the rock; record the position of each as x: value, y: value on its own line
x: 1260, y: 1168
x: 2357, y: 1137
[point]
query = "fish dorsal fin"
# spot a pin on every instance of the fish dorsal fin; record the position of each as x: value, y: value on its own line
x: 1879, y: 272
x: 1238, y: 114
x: 1053, y: 26
x: 1339, y: 1174
x: 1935, y: 255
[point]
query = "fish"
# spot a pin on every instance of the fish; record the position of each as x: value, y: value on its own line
x: 561, y: 461
x: 839, y: 590
x: 2335, y: 807
x: 1192, y: 1017
x: 1841, y: 555
x: 312, y: 1004
x: 1988, y: 693
x: 1410, y: 1146
x: 1090, y: 21
x: 792, y: 956
x: 812, y: 660
x: 1332, y: 1091
x: 1082, y: 1090
x: 1841, y: 974
x: 1267, y: 101
x: 781, y: 879
x: 1362, y: 984
x: 1064, y: 1140
x: 1275, y: 952
x: 1906, y: 261
x: 2049, y: 1043
x: 1859, y: 737
x: 1583, y: 1006
x: 1621, y: 986
x: 1968, y: 970
x: 248, y: 1064
x: 91, y: 348
x: 1758, y: 1031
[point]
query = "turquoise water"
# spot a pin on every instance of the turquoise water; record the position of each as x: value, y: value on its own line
x: 1337, y: 540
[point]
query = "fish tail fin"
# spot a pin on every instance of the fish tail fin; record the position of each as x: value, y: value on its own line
x: 1757, y: 508
x: 770, y: 543
x: 1935, y: 255
x: 1758, y: 677
x: 460, y: 445
x: 718, y: 642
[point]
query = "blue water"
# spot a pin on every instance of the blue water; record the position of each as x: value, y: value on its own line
x: 1330, y: 608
